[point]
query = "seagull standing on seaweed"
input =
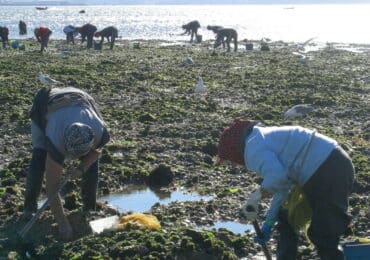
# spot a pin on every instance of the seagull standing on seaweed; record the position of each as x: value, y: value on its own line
x: 45, y: 79
x: 298, y: 111
x: 301, y: 50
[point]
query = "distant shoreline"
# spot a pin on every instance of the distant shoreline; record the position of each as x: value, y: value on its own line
x: 177, y: 4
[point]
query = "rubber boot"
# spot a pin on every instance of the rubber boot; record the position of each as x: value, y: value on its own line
x: 34, y: 180
x: 288, y: 239
x: 89, y: 187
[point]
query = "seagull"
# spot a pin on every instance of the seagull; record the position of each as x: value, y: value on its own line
x: 189, y: 61
x: 301, y: 46
x: 301, y: 51
x: 298, y: 111
x: 301, y: 57
x: 199, y: 87
x: 45, y: 79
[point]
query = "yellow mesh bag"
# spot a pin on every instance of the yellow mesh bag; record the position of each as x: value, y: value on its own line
x: 299, y: 210
x: 142, y: 220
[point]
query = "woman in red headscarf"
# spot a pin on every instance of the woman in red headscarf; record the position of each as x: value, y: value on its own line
x: 290, y: 158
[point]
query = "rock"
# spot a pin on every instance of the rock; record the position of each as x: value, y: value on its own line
x: 160, y: 176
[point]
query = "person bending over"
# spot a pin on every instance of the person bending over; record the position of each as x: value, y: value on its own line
x: 70, y: 32
x: 42, y: 35
x: 65, y: 125
x: 111, y: 33
x: 226, y: 35
x: 87, y: 31
x: 191, y: 28
x: 300, y: 162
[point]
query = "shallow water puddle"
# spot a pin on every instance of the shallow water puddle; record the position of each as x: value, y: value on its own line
x: 235, y: 227
x: 137, y: 198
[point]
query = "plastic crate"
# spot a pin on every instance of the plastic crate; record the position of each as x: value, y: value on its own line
x: 356, y: 251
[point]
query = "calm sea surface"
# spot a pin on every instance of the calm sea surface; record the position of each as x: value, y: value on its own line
x: 329, y: 23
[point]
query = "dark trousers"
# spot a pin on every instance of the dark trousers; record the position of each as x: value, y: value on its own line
x: 89, y: 186
x: 90, y: 39
x: 70, y: 38
x: 327, y: 192
x: 44, y: 43
x: 89, y: 183
x: 35, y: 175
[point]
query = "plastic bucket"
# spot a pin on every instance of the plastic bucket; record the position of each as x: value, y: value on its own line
x: 249, y: 46
x: 356, y: 251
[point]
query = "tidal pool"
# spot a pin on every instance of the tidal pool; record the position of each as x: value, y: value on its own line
x: 137, y: 198
x: 233, y: 226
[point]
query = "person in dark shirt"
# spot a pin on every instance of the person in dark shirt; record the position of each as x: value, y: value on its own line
x: 111, y: 33
x: 87, y: 31
x: 191, y: 28
x: 22, y: 28
x: 4, y: 32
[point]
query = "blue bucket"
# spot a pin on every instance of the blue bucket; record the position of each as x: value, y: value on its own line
x: 249, y: 46
x: 356, y: 251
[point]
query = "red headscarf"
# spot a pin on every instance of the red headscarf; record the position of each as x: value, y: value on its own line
x: 230, y: 146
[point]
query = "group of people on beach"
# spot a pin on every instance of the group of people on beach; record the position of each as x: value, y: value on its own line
x: 87, y: 31
x: 223, y: 35
x: 307, y: 173
x: 295, y: 163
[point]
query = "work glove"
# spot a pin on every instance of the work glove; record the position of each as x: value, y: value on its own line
x: 250, y: 209
x: 266, y: 231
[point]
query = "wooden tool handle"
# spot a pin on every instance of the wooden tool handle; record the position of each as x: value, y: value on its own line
x: 259, y: 234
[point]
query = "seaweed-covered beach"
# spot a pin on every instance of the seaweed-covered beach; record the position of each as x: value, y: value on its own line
x: 146, y: 94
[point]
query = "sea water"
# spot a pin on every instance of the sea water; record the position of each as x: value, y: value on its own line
x: 346, y: 23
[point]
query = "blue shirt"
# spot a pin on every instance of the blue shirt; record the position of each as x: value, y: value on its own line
x: 285, y: 156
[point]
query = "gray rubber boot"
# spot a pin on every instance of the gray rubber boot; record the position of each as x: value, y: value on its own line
x: 34, y: 180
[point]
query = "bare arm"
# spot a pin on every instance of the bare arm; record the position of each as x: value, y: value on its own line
x: 89, y: 159
x: 54, y: 172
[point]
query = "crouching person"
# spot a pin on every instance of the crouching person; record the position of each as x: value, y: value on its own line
x: 66, y: 125
x: 310, y: 166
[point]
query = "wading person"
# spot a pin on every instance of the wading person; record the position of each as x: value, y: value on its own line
x: 22, y: 28
x: 70, y: 32
x: 4, y: 33
x: 87, y: 31
x: 291, y: 159
x: 191, y: 28
x: 42, y: 35
x: 110, y: 32
x: 65, y: 125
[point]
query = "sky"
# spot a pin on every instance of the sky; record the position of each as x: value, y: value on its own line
x: 292, y: 2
